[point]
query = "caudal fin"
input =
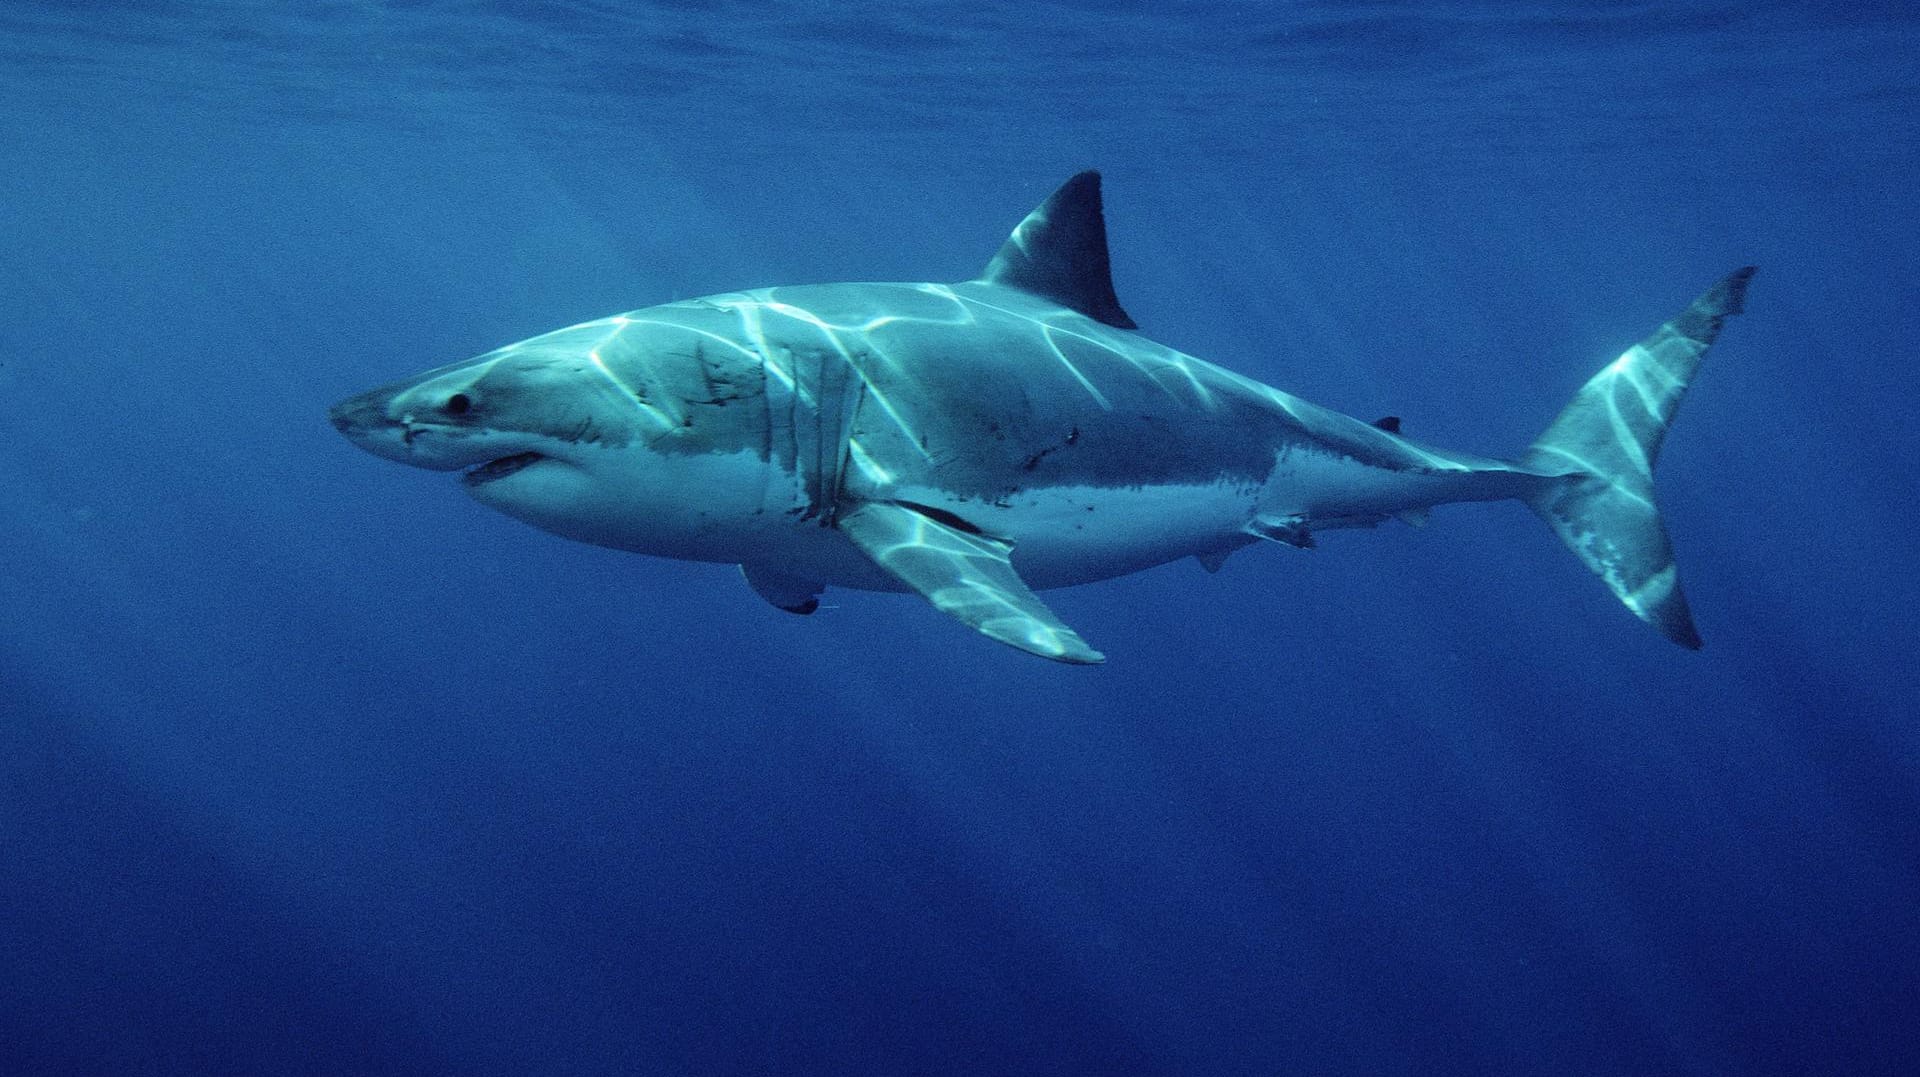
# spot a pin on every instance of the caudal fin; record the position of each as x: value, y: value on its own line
x: 1604, y: 444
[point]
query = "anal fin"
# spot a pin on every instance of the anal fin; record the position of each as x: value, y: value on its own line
x: 964, y: 574
x: 784, y: 592
x: 1212, y: 560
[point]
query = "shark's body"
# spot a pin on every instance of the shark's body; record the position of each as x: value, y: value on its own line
x: 974, y: 442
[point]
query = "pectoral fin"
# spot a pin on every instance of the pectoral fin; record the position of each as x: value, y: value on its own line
x: 965, y: 574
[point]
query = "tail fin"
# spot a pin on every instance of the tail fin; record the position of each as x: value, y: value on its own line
x: 1604, y: 444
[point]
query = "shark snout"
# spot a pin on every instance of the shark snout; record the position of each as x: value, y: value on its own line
x: 367, y: 421
x: 368, y: 411
x: 395, y: 422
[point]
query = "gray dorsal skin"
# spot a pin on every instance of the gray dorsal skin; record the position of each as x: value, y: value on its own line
x: 977, y: 442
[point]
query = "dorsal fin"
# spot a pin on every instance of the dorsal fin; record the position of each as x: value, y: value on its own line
x: 1060, y: 253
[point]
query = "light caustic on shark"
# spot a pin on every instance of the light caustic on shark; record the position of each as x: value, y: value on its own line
x: 976, y: 442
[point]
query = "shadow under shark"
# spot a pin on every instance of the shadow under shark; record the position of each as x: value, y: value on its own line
x: 979, y: 441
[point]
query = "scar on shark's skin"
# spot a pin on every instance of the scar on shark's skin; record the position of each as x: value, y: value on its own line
x: 1072, y: 438
x: 979, y: 441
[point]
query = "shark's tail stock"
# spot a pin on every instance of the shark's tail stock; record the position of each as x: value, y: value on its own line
x: 1603, y: 447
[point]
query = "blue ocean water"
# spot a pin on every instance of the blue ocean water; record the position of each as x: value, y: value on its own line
x: 308, y: 764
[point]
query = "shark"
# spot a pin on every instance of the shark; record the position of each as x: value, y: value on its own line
x: 978, y: 442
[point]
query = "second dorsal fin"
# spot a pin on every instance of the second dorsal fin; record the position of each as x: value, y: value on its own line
x: 1060, y: 253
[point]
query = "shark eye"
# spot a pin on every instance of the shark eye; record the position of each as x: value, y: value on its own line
x: 458, y: 404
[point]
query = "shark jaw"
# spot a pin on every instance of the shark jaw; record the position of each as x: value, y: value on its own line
x: 497, y: 469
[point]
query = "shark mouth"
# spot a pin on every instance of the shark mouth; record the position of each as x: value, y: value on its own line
x: 501, y: 468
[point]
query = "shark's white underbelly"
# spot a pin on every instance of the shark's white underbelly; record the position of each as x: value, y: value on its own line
x: 733, y: 508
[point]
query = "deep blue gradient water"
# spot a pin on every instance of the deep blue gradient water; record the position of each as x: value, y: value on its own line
x: 310, y: 764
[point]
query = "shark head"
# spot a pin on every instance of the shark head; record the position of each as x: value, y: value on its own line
x: 602, y: 432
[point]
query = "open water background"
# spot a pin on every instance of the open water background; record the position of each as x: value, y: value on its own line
x: 309, y: 764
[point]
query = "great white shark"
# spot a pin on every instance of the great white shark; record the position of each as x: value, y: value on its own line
x: 980, y: 441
